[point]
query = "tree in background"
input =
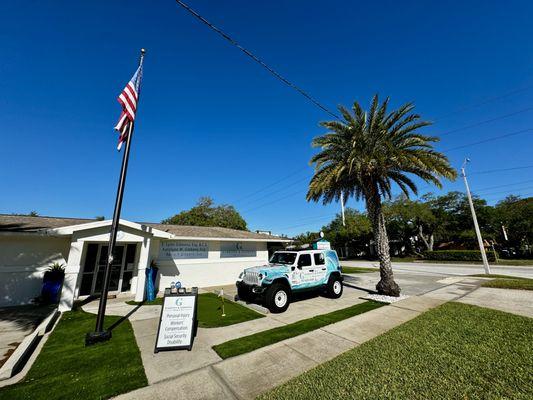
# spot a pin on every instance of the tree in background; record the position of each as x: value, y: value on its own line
x: 206, y: 214
x: 455, y: 220
x: 516, y: 215
x: 412, y: 223
x: 355, y: 235
x: 364, y: 155
x: 305, y: 238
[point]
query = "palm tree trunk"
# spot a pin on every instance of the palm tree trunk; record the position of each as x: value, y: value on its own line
x: 386, y: 285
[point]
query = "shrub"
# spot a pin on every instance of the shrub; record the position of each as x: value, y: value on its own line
x: 458, y: 255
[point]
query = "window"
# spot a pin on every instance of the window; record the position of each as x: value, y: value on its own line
x: 283, y: 258
x: 304, y: 260
x: 319, y: 259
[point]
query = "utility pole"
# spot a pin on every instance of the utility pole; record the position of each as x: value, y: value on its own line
x: 474, y: 218
x: 344, y: 224
x: 342, y: 209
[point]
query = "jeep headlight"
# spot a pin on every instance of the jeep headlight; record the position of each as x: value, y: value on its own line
x: 241, y: 275
x: 260, y: 276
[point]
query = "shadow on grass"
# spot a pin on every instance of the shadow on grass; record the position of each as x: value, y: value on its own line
x: 125, y: 317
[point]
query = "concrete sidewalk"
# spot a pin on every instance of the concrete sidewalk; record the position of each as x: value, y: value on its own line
x: 16, y: 323
x: 172, y: 364
x: 248, y: 375
x: 518, y: 302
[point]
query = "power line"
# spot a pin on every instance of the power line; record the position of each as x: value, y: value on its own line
x: 486, y: 121
x: 491, y: 171
x: 257, y: 59
x: 483, y: 102
x: 269, y: 194
x: 306, y: 224
x: 324, y: 108
x: 489, y: 139
x: 499, y: 186
x: 271, y: 185
x: 507, y: 191
x: 274, y: 201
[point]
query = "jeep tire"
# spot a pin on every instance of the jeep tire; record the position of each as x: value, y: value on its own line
x: 334, y: 287
x: 277, y: 298
x: 244, y: 293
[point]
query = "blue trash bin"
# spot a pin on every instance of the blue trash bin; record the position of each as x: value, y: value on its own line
x: 151, y: 276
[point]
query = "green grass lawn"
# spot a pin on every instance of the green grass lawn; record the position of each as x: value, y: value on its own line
x: 66, y: 369
x: 358, y: 270
x: 455, y: 351
x: 210, y: 311
x: 506, y: 282
x: 249, y: 343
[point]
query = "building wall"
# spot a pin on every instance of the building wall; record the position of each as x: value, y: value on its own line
x: 25, y: 257
x: 23, y: 260
x: 211, y: 271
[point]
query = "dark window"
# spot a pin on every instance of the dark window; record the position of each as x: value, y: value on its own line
x: 304, y: 260
x: 86, y: 283
x: 130, y: 253
x: 90, y: 258
x: 319, y: 259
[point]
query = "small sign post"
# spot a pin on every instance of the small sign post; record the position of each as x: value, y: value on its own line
x: 178, y: 322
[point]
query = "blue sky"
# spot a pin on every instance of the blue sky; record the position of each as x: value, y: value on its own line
x: 211, y: 122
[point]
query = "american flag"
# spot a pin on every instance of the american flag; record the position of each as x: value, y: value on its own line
x: 128, y: 99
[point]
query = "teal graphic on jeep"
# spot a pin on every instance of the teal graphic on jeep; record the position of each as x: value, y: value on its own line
x: 288, y: 272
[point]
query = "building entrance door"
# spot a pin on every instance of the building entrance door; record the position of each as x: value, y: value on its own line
x: 94, y: 268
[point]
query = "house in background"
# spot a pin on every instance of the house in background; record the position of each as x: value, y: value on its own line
x: 193, y: 255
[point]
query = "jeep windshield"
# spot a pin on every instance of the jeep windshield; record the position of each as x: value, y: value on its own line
x: 283, y: 258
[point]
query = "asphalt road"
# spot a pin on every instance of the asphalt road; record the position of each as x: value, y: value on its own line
x: 447, y: 269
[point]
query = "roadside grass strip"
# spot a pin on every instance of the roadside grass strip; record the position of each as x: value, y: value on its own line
x: 494, y: 276
x: 508, y: 283
x: 210, y: 311
x: 456, y: 351
x: 66, y: 369
x: 249, y: 343
x: 358, y: 270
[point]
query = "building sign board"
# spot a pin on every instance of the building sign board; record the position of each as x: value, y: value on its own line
x: 322, y: 245
x: 237, y: 249
x: 180, y: 250
x: 178, y: 322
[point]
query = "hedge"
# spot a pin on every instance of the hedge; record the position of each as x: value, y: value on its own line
x: 458, y: 255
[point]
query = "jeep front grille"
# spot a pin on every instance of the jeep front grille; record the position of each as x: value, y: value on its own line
x: 251, y: 278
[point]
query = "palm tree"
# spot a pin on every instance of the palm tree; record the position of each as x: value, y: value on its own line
x: 363, y: 155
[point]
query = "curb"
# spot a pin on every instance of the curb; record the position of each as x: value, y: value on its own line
x: 24, y: 351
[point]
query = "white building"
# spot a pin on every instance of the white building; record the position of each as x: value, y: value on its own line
x: 193, y: 255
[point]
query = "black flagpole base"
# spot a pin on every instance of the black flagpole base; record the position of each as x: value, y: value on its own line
x: 97, y: 337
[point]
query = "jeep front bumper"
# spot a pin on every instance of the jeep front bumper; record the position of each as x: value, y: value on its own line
x: 250, y: 289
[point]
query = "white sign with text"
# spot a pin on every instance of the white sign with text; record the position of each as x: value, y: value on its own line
x: 179, y: 250
x: 176, y: 327
x: 237, y: 249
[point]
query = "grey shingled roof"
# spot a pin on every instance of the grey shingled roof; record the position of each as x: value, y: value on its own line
x: 25, y: 223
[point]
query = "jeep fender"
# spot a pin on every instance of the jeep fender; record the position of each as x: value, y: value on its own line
x: 335, y: 273
x: 283, y: 281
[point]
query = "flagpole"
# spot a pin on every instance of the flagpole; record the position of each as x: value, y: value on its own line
x: 100, y: 335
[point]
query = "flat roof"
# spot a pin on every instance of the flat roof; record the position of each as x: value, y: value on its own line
x: 35, y: 224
